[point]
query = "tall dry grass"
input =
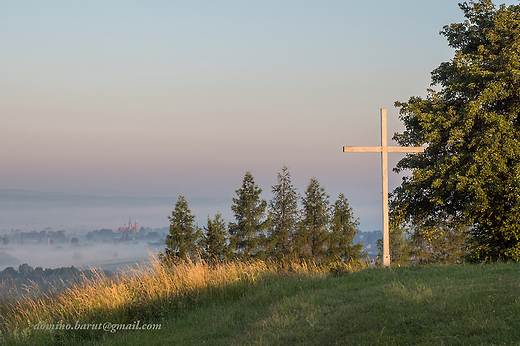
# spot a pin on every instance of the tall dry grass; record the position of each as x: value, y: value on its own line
x: 152, y: 291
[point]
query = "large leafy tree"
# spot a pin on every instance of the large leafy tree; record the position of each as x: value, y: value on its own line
x: 469, y: 174
x: 283, y: 211
x: 182, y: 242
x: 439, y: 244
x: 248, y: 230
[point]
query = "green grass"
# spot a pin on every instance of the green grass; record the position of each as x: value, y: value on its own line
x: 428, y: 305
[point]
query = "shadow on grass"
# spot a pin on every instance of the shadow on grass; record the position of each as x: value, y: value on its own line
x: 149, y: 296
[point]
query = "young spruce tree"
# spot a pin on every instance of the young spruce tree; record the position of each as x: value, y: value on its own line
x: 401, y: 243
x: 344, y: 228
x: 312, y: 231
x: 182, y: 242
x: 248, y: 232
x: 283, y: 211
x: 215, y: 240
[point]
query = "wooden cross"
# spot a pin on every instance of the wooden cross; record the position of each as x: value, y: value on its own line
x: 384, y: 149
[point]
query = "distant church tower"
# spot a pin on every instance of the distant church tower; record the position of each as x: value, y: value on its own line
x: 134, y: 229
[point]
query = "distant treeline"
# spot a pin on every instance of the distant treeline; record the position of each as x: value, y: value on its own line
x: 287, y: 228
x: 45, y: 236
x: 105, y: 235
x: 33, y: 280
x: 50, y: 237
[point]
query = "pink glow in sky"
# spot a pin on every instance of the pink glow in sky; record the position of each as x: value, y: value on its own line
x: 183, y: 97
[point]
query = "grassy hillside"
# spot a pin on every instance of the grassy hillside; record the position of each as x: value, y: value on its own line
x: 256, y: 304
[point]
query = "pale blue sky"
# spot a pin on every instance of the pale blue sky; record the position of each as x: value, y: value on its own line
x: 165, y: 98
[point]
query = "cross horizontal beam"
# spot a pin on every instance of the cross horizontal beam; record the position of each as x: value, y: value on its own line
x: 380, y: 149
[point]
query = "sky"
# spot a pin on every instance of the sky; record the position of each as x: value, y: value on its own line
x: 168, y: 98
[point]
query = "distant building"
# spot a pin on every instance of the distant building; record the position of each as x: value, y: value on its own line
x: 134, y: 229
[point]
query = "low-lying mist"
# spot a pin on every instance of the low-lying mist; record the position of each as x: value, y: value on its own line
x: 23, y: 212
x: 106, y: 255
x: 31, y: 221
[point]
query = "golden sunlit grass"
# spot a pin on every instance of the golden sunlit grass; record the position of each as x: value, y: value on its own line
x: 152, y: 292
x: 264, y: 303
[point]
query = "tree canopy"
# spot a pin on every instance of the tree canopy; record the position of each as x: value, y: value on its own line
x: 182, y: 241
x: 469, y: 174
x: 215, y: 239
x: 313, y: 231
x: 284, y: 214
x: 247, y: 233
x: 343, y: 229
x: 282, y: 233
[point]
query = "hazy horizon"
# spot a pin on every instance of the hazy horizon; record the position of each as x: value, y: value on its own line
x: 79, y: 213
x: 157, y: 100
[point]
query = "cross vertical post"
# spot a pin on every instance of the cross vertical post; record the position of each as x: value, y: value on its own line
x: 384, y: 168
x: 384, y: 149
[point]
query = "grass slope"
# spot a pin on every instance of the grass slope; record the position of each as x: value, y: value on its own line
x: 428, y: 305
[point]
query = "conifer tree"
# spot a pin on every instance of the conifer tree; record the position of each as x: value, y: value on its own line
x: 248, y: 230
x: 283, y: 211
x: 182, y: 242
x: 312, y: 231
x: 216, y: 239
x: 343, y: 229
x: 400, y: 243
